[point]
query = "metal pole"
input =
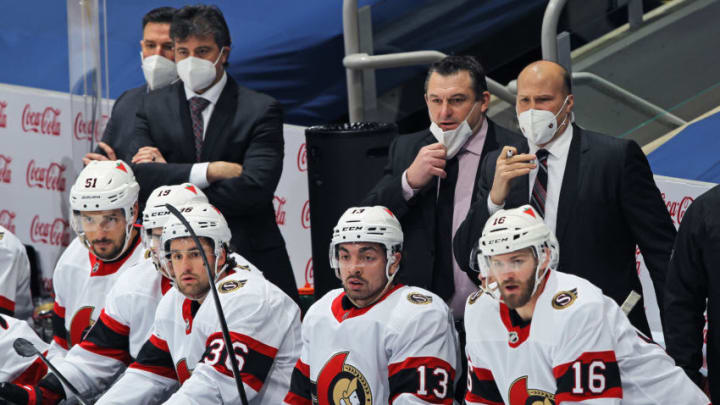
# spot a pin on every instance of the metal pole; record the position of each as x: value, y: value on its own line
x: 548, y: 36
x: 631, y: 99
x: 352, y: 46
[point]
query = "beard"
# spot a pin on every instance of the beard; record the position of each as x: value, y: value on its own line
x: 520, y: 297
x: 193, y: 292
x: 110, y: 252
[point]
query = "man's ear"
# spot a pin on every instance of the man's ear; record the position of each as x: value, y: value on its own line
x: 395, y: 262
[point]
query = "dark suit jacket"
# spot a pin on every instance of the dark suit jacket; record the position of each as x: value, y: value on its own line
x: 417, y: 215
x: 119, y: 129
x: 691, y: 288
x: 246, y: 128
x: 608, y: 203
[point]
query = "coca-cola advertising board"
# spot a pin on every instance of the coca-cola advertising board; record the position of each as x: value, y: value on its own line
x: 292, y: 207
x: 44, y: 135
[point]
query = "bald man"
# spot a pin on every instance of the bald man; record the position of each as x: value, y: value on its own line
x: 594, y: 191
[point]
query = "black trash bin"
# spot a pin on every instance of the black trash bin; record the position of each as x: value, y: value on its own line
x: 344, y: 162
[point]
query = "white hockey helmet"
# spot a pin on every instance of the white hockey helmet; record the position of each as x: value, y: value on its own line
x: 156, y: 214
x: 367, y: 224
x: 104, y: 185
x: 511, y: 230
x: 205, y: 220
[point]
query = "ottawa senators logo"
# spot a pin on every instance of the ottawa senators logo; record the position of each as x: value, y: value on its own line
x: 474, y: 296
x: 231, y: 285
x: 417, y: 298
x: 342, y: 384
x: 519, y: 394
x: 564, y: 299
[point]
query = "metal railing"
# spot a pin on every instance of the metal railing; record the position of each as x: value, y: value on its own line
x: 551, y: 41
x: 356, y: 62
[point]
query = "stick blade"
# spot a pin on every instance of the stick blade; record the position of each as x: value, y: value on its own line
x: 24, y: 347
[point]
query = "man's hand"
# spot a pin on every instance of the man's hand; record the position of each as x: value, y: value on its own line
x: 98, y: 156
x: 506, y: 169
x: 223, y: 170
x: 429, y: 162
x: 148, y: 154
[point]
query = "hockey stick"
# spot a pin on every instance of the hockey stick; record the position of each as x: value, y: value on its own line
x: 25, y: 348
x: 218, y: 307
x: 630, y: 302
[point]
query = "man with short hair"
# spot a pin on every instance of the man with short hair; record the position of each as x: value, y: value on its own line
x: 430, y: 179
x: 220, y: 136
x: 374, y: 341
x: 536, y: 335
x: 264, y: 325
x: 158, y: 65
x: 15, y: 299
x: 595, y: 192
x: 104, y: 207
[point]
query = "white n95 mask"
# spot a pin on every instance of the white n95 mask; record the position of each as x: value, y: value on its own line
x: 197, y: 73
x: 453, y: 139
x: 539, y: 126
x: 159, y: 71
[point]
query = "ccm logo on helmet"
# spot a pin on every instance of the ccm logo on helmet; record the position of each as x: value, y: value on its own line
x: 352, y: 228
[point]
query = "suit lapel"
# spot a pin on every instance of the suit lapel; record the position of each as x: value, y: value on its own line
x: 224, y: 109
x: 182, y: 110
x: 570, y: 185
x: 491, y: 144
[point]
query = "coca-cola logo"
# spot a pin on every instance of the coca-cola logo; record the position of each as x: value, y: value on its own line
x: 54, y: 233
x: 5, y: 172
x: 3, y: 116
x: 302, y: 158
x: 7, y: 220
x: 84, y: 130
x: 279, y: 203
x: 677, y: 209
x: 309, y: 276
x: 305, y: 215
x: 49, y: 178
x: 44, y: 122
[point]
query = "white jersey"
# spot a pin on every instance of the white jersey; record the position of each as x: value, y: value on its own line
x: 123, y: 326
x: 579, y: 347
x: 81, y: 282
x: 402, y: 350
x: 14, y: 277
x: 186, y: 346
x: 13, y: 367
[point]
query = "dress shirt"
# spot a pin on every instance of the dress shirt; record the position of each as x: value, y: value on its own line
x: 468, y: 162
x: 198, y: 173
x: 558, y: 151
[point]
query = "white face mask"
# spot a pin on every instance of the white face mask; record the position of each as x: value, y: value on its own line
x: 197, y: 73
x: 539, y: 126
x: 453, y: 139
x: 159, y: 71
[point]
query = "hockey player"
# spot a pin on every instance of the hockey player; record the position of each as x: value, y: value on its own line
x: 13, y: 367
x: 14, y: 277
x: 125, y: 322
x: 539, y: 336
x: 374, y: 341
x: 186, y: 344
